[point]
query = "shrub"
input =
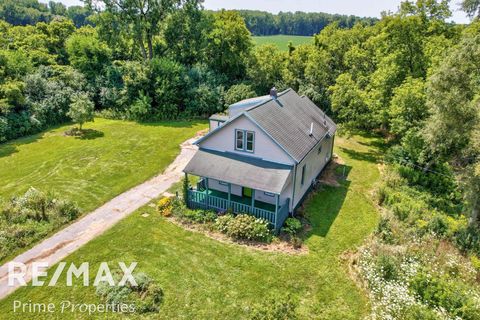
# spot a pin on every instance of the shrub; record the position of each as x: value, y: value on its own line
x: 199, y: 216
x: 223, y: 222
x: 467, y: 239
x: 292, y: 226
x: 146, y: 296
x: 245, y: 227
x: 67, y: 209
x: 438, y: 225
x: 384, y: 230
x: 277, y: 307
x: 387, y: 267
x: 165, y: 206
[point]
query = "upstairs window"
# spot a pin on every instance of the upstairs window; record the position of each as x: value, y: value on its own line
x: 244, y: 140
x: 250, y: 141
x: 239, y: 139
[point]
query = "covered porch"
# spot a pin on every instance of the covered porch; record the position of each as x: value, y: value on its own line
x: 241, y: 184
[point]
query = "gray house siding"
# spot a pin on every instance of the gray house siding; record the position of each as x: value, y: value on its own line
x: 314, y: 163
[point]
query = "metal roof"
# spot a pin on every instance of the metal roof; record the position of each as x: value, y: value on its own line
x: 241, y: 170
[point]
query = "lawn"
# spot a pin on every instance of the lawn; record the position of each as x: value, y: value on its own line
x: 112, y: 158
x: 206, y: 279
x: 281, y: 41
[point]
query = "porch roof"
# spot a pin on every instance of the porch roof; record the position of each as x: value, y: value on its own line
x: 240, y: 170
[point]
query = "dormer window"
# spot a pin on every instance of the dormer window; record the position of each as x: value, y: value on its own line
x: 244, y: 140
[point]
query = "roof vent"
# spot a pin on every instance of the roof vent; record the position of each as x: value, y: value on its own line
x: 273, y: 93
x: 311, y: 130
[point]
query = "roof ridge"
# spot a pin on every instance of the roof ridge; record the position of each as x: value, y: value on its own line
x: 268, y: 100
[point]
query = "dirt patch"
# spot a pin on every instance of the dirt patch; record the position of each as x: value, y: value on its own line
x: 329, y: 176
x: 277, y: 246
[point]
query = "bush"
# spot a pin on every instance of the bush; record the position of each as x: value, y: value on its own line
x: 387, y: 267
x: 292, y: 226
x: 244, y: 227
x: 384, y: 230
x: 165, y: 206
x: 445, y: 293
x: 146, y: 296
x: 200, y: 216
x: 278, y: 307
x: 467, y: 239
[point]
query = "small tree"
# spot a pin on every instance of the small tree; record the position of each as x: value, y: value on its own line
x: 81, y: 109
x: 185, y: 189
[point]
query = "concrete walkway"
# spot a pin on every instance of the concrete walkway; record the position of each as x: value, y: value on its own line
x: 66, y: 241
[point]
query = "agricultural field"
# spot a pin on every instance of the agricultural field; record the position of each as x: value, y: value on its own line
x: 111, y: 158
x: 281, y: 41
x: 203, y: 278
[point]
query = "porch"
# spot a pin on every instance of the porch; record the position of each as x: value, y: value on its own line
x: 244, y: 184
x: 222, y: 201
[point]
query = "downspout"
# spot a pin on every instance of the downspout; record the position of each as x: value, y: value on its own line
x: 293, y: 193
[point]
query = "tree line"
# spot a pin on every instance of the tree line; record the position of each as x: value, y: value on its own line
x: 261, y: 23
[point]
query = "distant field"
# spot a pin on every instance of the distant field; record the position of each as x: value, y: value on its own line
x: 281, y: 41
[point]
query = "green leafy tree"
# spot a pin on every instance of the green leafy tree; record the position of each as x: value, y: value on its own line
x: 471, y: 7
x: 229, y: 45
x: 265, y: 67
x: 87, y: 53
x: 142, y: 19
x: 408, y: 107
x: 81, y: 109
x: 453, y: 129
x: 237, y: 93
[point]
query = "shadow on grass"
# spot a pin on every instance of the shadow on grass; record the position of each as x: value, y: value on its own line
x: 11, y: 147
x: 90, y: 134
x: 174, y: 123
x: 323, y: 206
x: 370, y: 156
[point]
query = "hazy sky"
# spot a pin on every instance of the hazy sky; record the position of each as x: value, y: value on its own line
x: 370, y: 8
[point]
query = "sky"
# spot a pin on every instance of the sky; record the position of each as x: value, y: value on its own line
x: 363, y: 8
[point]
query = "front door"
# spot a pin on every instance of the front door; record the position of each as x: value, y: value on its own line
x: 247, y: 192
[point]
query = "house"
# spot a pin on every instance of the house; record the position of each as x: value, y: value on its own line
x: 262, y: 157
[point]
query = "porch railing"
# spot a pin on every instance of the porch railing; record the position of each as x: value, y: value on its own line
x: 200, y: 200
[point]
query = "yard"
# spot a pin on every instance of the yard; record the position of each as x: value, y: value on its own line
x: 206, y: 279
x: 113, y: 157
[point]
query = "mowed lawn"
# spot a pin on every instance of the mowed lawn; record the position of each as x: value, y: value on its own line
x: 281, y: 41
x: 206, y: 279
x: 113, y: 157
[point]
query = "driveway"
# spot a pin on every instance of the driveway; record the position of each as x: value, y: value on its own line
x: 66, y: 241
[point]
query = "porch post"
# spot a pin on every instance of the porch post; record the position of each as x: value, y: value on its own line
x: 253, y: 200
x: 206, y: 192
x: 229, y: 194
x: 277, y: 200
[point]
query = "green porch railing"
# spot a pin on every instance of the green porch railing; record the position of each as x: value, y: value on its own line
x: 200, y: 200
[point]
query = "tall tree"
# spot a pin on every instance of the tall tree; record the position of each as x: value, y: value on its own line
x: 471, y: 7
x: 143, y: 19
x: 453, y: 129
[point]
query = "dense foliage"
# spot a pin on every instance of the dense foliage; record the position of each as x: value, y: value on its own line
x: 30, y: 217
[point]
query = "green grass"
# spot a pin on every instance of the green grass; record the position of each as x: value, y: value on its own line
x: 114, y: 157
x: 281, y: 41
x: 206, y: 279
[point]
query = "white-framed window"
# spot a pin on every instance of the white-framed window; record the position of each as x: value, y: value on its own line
x: 269, y: 194
x: 244, y: 140
x: 239, y: 136
x: 223, y: 183
x: 250, y: 141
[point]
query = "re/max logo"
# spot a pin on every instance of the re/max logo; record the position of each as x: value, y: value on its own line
x: 18, y: 273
